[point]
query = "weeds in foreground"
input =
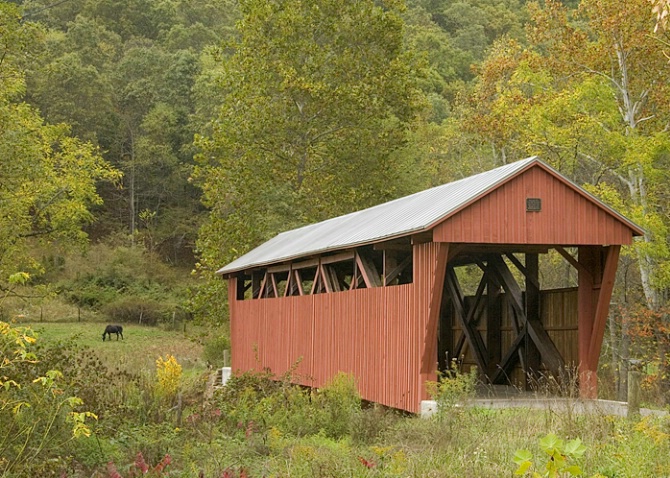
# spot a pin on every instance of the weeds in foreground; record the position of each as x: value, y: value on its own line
x: 141, y: 468
x: 261, y: 425
x: 453, y: 389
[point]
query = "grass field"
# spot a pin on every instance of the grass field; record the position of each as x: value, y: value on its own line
x: 138, y: 350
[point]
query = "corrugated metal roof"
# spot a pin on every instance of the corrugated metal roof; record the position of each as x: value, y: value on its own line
x: 400, y: 217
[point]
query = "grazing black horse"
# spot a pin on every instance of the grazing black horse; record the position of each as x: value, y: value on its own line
x: 112, y: 329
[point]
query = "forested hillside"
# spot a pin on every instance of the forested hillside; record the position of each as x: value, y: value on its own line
x: 146, y: 143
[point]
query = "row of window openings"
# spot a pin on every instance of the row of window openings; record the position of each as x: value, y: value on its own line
x: 348, y: 271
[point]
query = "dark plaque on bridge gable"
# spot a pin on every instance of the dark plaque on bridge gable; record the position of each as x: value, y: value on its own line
x: 533, y: 204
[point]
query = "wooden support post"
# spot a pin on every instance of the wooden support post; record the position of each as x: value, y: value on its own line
x: 298, y: 282
x: 274, y: 292
x: 256, y: 278
x: 551, y: 357
x: 493, y: 325
x: 634, y: 376
x: 445, y: 337
x: 596, y: 282
x: 332, y: 281
x: 395, y: 271
x: 532, y: 353
x: 290, y: 284
x: 240, y: 288
x: 429, y: 357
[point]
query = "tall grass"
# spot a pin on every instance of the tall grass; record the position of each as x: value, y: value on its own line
x: 262, y: 426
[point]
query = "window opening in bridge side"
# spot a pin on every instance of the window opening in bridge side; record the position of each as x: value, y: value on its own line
x: 365, y: 267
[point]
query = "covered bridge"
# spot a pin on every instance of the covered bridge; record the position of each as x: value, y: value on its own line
x: 376, y: 293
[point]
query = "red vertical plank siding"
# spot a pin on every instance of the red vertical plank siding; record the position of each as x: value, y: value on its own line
x: 430, y: 261
x: 587, y: 300
x: 567, y: 217
x: 363, y: 332
x: 384, y: 336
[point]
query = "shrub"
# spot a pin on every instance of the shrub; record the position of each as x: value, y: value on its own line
x: 341, y: 404
x: 255, y: 403
x: 214, y: 348
x: 453, y: 388
x: 168, y: 375
x: 136, y: 310
x: 39, y: 413
x: 372, y: 422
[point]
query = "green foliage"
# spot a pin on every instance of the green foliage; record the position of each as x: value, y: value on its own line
x: 309, y: 87
x: 138, y: 310
x: 49, y: 177
x: 214, y: 348
x: 39, y: 414
x: 340, y: 402
x: 264, y: 426
x: 453, y: 388
x: 126, y: 284
x: 560, y: 456
x: 256, y: 403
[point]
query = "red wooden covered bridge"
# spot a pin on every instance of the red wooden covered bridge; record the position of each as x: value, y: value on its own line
x: 378, y: 294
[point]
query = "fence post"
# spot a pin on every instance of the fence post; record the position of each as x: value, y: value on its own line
x: 634, y: 376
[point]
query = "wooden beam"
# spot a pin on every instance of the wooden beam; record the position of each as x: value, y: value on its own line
x: 509, y: 359
x: 589, y: 260
x: 341, y: 257
x: 279, y: 268
x: 473, y: 336
x: 573, y: 262
x: 473, y: 314
x: 454, y: 251
x: 263, y: 286
x: 429, y: 358
x: 240, y: 288
x: 306, y: 264
x: 331, y: 275
x: 316, y: 286
x: 290, y: 284
x: 603, y: 304
x: 256, y: 278
x: 323, y: 278
x: 273, y: 283
x: 445, y: 333
x: 550, y: 355
x: 493, y: 323
x: 529, y: 277
x: 533, y: 358
x: 422, y: 238
x: 397, y: 270
x: 298, y: 282
x: 355, y: 277
x: 483, y: 249
x: 368, y: 271
x: 393, y: 246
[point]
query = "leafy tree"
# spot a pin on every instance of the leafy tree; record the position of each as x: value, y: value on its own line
x: 316, y: 98
x: 47, y: 177
x: 121, y: 74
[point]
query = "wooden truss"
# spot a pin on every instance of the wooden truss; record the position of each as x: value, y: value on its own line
x: 531, y: 347
x: 348, y: 270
